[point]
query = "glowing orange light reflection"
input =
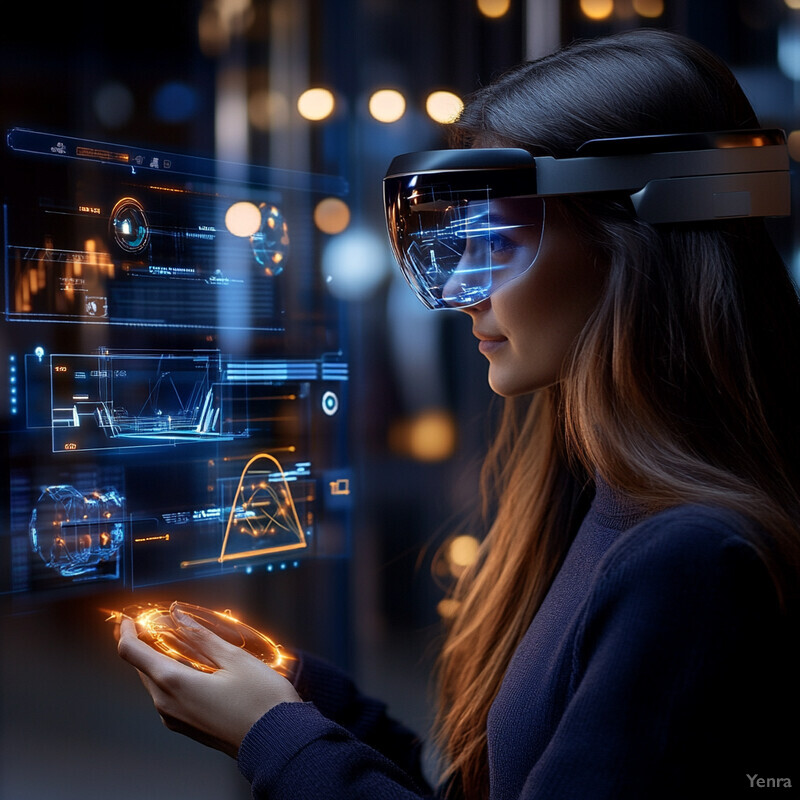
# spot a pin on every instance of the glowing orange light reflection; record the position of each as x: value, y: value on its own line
x: 161, y: 629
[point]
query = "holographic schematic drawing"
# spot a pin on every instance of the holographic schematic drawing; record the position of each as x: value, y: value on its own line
x: 75, y: 533
x: 119, y: 399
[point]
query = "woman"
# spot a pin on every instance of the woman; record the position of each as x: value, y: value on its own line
x: 629, y: 628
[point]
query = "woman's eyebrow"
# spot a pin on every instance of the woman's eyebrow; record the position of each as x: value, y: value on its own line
x: 495, y: 220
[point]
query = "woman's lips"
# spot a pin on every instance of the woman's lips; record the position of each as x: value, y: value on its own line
x: 489, y: 344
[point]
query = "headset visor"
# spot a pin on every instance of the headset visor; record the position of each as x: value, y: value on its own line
x: 463, y: 222
x: 459, y: 236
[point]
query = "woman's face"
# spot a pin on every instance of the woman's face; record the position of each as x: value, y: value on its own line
x: 527, y: 325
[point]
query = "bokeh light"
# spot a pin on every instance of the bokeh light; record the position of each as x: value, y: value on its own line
x: 268, y: 110
x: 428, y: 436
x: 355, y: 263
x: 463, y: 551
x: 494, y: 8
x: 649, y: 8
x: 387, y: 105
x: 332, y: 215
x: 447, y: 607
x: 432, y: 436
x: 444, y: 107
x: 220, y: 21
x: 316, y: 104
x: 597, y: 9
x: 243, y: 219
x: 795, y: 4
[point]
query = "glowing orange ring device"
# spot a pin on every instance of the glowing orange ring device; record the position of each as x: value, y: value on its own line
x: 158, y: 627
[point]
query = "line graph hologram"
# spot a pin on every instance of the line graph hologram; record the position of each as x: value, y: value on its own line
x: 263, y: 510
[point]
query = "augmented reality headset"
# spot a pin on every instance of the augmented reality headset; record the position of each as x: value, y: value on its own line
x: 464, y: 222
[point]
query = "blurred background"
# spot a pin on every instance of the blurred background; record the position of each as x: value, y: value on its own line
x: 335, y: 87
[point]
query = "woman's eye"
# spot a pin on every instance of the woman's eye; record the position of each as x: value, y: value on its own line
x: 499, y: 243
x: 492, y: 246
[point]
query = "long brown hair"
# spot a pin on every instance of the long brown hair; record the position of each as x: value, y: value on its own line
x: 682, y: 387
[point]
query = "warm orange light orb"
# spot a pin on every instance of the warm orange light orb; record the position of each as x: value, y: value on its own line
x: 463, y: 551
x: 387, y: 105
x: 316, y: 104
x: 332, y: 215
x: 428, y: 436
x: 597, y: 9
x: 494, y: 8
x: 649, y: 8
x: 243, y: 219
x: 444, y: 107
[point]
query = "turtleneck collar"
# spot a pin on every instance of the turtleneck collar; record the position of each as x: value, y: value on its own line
x: 613, y: 509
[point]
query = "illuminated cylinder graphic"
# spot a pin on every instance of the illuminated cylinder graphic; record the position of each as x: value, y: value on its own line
x: 73, y: 533
x: 271, y: 241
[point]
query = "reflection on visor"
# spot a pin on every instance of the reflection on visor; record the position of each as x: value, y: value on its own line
x: 456, y: 248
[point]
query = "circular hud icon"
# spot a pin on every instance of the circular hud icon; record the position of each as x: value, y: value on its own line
x: 129, y: 226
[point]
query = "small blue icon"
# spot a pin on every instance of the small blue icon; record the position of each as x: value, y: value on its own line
x: 330, y: 403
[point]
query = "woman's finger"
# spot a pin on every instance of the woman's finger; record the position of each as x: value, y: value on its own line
x: 216, y: 649
x: 137, y: 653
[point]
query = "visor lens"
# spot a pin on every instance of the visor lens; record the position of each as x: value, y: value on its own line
x: 455, y: 245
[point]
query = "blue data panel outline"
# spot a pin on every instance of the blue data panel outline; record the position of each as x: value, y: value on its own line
x: 176, y: 394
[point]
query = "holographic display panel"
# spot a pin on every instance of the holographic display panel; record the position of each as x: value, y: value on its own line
x: 173, y: 369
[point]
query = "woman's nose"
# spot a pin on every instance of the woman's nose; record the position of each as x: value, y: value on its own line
x: 466, y: 284
x: 476, y: 308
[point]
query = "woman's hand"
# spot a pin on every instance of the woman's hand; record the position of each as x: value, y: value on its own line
x: 216, y: 708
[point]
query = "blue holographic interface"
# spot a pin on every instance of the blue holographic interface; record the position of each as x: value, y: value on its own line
x: 173, y: 369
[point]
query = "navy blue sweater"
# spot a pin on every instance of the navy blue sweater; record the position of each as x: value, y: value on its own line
x: 658, y: 666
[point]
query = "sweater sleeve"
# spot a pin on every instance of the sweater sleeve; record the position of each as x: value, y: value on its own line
x: 294, y: 751
x: 338, y: 698
x: 338, y: 744
x: 680, y: 685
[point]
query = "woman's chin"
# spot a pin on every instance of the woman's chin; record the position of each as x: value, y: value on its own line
x: 510, y: 385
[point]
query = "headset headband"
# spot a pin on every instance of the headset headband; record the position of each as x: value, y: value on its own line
x: 670, y: 178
